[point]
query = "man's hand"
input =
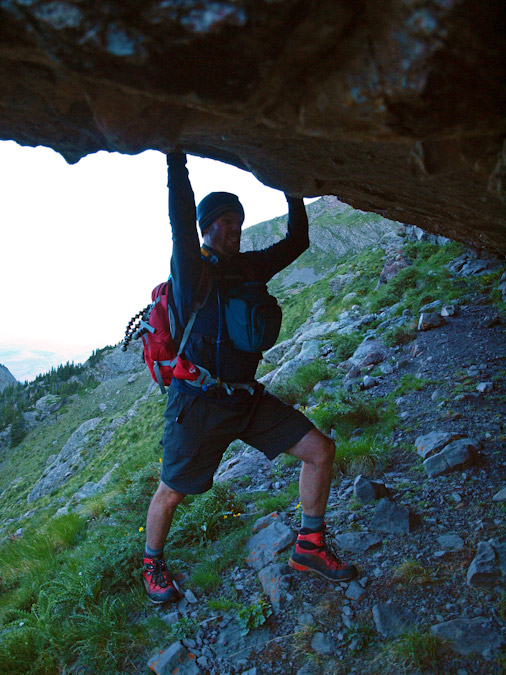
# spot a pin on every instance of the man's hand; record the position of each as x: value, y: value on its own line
x: 173, y: 152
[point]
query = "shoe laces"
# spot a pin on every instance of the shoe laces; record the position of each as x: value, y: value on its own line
x: 331, y: 557
x: 158, y: 572
x: 329, y: 552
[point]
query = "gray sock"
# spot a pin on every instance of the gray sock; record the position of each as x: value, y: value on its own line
x: 154, y: 552
x: 312, y: 522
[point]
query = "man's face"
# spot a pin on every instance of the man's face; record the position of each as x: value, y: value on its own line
x: 224, y: 235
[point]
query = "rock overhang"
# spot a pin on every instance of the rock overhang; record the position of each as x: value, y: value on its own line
x: 394, y: 106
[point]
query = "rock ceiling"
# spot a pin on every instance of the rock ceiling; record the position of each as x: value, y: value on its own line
x: 395, y: 106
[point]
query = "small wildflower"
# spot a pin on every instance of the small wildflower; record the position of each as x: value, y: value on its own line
x: 225, y: 516
x: 160, y: 460
x: 298, y: 505
x: 141, y: 529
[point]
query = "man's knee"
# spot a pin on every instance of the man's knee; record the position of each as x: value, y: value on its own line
x: 315, y: 448
x: 326, y: 450
x: 170, y: 498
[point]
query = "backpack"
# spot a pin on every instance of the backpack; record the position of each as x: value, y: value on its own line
x: 162, y: 336
x: 253, y: 317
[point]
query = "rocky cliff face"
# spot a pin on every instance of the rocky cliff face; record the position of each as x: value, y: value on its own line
x: 6, y: 377
x: 394, y: 106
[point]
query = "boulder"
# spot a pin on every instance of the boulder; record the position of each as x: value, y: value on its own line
x: 500, y: 496
x: 66, y: 463
x: 451, y: 542
x: 274, y: 354
x: 337, y: 283
x: 285, y: 91
x: 453, y: 455
x: 321, y: 643
x: 248, y: 462
x: 429, y: 320
x: 430, y: 444
x: 263, y: 547
x: 366, y: 490
x: 48, y: 404
x: 484, y: 568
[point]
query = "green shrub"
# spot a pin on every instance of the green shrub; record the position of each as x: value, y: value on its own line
x: 346, y: 413
x: 344, y: 345
x: 399, y: 335
x: 254, y: 615
x: 361, y: 456
x: 18, y: 431
x: 297, y: 388
x: 206, y: 516
x: 263, y: 369
x: 409, y: 383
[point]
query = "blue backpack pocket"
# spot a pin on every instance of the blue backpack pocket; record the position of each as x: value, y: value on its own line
x: 253, y: 317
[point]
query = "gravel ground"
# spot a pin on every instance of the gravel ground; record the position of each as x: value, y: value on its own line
x: 323, y: 630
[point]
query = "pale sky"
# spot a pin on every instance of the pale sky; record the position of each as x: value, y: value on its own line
x: 82, y: 246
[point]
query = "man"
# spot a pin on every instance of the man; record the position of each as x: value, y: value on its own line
x: 202, y: 421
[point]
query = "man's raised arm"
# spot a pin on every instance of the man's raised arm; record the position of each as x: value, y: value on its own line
x: 271, y: 260
x: 185, y: 262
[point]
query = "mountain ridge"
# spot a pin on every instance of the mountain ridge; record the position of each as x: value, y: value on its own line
x: 6, y: 377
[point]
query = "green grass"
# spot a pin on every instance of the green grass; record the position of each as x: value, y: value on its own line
x: 343, y: 346
x: 361, y: 456
x: 413, y: 649
x: 71, y: 594
x: 70, y: 587
x: 347, y: 412
x: 413, y: 573
x: 410, y: 383
x: 297, y: 388
x: 400, y: 335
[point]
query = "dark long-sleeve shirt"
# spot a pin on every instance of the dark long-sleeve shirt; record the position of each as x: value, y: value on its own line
x: 186, y: 271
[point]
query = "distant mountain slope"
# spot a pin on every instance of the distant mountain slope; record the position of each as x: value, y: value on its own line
x: 335, y: 229
x: 6, y: 377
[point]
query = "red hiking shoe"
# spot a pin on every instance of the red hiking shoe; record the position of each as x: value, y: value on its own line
x: 159, y: 586
x: 312, y: 554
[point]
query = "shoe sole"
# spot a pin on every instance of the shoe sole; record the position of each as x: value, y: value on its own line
x: 305, y: 568
x: 177, y: 597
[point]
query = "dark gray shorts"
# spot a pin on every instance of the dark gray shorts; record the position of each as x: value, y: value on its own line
x: 198, y: 431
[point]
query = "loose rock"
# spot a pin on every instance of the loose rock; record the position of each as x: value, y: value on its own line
x: 391, y: 620
x: 392, y: 518
x: 468, y: 636
x: 263, y: 547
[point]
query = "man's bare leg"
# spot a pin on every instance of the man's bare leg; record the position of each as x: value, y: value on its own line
x: 310, y: 553
x: 160, y: 514
x: 157, y: 581
x: 317, y: 454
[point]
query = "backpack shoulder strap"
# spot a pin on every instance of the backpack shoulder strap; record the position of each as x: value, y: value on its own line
x: 203, y: 291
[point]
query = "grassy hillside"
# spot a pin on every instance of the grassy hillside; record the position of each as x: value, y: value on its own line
x: 71, y: 596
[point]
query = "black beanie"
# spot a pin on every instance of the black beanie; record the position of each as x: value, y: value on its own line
x: 215, y: 205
